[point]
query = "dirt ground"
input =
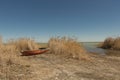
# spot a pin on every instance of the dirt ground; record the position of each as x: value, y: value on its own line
x: 55, y: 67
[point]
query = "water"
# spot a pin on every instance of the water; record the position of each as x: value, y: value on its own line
x: 92, y: 47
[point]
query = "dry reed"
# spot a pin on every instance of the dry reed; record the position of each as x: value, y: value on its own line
x: 117, y: 43
x: 12, y: 65
x: 111, y: 43
x: 108, y: 43
x: 24, y: 44
x: 67, y: 46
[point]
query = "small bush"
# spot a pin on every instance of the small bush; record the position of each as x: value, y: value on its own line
x: 1, y: 44
x: 66, y: 46
x: 117, y: 43
x: 108, y: 43
x: 11, y: 63
x: 24, y: 44
x: 111, y: 43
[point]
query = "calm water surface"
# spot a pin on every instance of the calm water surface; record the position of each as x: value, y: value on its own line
x: 92, y: 47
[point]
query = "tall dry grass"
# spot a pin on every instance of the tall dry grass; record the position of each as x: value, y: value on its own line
x: 67, y: 46
x: 1, y: 43
x: 12, y: 65
x: 22, y: 44
x: 108, y: 43
x: 111, y: 43
x: 117, y: 43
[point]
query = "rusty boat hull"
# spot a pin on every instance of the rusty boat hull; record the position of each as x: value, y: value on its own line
x: 33, y: 52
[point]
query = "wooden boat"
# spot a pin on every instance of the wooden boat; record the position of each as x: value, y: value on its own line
x: 33, y: 52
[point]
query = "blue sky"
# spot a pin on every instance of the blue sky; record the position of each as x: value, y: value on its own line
x: 88, y: 20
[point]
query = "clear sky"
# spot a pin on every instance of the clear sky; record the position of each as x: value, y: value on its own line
x: 88, y: 20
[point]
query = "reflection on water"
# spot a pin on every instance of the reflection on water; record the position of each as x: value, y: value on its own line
x: 92, y: 47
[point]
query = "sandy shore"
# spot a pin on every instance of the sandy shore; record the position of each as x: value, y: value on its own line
x: 56, y: 67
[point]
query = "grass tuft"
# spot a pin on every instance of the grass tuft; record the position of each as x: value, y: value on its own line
x: 11, y: 63
x: 111, y: 43
x: 22, y: 44
x: 108, y: 43
x: 67, y: 46
x: 116, y: 45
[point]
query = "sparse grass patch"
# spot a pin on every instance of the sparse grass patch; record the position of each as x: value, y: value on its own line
x: 67, y: 46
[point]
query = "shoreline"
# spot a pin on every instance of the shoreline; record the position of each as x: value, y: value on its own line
x: 54, y: 66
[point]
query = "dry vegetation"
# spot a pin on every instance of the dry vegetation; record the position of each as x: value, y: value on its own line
x: 22, y: 44
x: 54, y: 67
x: 111, y: 43
x: 108, y: 43
x: 12, y: 65
x: 15, y: 67
x: 117, y: 43
x: 67, y: 46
